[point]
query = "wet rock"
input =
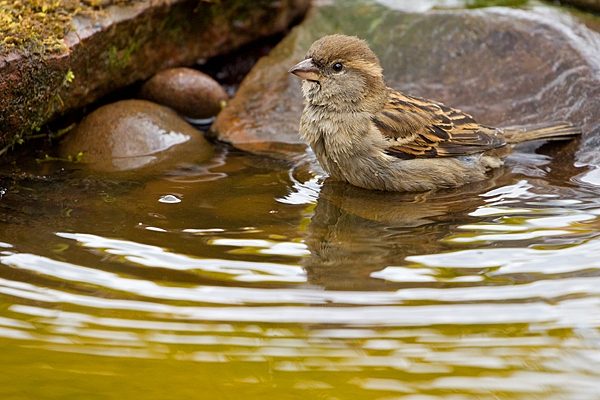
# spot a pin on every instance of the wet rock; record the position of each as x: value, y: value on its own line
x: 191, y: 93
x: 133, y: 134
x: 123, y: 44
x: 505, y: 66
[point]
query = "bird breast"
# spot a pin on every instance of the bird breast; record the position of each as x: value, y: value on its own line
x: 340, y: 141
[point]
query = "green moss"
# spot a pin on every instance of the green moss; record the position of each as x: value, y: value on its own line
x: 120, y: 58
x: 39, y: 26
x: 77, y: 159
x: 69, y: 77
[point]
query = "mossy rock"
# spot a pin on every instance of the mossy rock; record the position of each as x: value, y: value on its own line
x: 109, y: 46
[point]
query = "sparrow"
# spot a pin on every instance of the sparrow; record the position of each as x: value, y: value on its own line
x: 375, y: 137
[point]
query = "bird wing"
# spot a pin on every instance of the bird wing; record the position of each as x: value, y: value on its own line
x: 419, y: 128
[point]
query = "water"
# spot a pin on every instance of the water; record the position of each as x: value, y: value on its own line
x: 248, y: 277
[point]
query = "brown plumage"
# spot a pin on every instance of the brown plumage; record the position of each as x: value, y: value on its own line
x: 377, y: 138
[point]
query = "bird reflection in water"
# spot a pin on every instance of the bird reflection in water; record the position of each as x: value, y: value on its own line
x: 355, y: 232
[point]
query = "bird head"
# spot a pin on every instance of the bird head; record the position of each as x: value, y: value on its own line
x: 342, y: 73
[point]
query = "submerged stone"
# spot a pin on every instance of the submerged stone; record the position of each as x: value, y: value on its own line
x: 191, y: 93
x: 505, y: 66
x: 133, y: 134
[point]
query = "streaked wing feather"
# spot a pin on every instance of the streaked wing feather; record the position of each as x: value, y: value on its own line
x: 418, y: 128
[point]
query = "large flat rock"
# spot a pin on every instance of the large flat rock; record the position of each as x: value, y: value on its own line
x: 506, y: 66
x: 124, y: 44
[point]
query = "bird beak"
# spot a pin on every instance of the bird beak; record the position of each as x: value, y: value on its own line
x: 306, y: 70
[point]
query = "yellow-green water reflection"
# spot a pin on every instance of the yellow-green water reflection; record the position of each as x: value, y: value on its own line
x: 246, y: 277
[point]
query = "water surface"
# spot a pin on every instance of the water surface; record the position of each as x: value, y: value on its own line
x: 245, y: 276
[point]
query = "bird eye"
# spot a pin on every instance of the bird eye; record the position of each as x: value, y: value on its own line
x: 337, y: 67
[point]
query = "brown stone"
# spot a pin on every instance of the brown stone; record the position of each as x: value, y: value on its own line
x: 191, y: 93
x: 125, y: 44
x: 133, y: 134
x: 505, y: 66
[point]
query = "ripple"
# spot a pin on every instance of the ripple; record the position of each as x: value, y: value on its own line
x: 157, y: 257
x: 302, y: 192
x: 521, y: 190
x: 580, y: 257
x: 169, y: 199
x: 381, y: 316
x: 506, y: 237
x: 260, y: 246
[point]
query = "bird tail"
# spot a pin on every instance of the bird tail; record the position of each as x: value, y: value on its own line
x: 548, y: 131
